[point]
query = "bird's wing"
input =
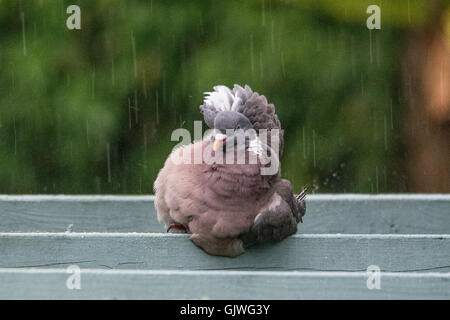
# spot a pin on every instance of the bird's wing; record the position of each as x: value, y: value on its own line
x: 279, y: 218
x: 260, y: 113
x: 256, y: 108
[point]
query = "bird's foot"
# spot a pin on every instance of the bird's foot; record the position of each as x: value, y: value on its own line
x: 180, y: 227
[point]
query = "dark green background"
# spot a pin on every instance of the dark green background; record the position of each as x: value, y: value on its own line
x: 72, y: 99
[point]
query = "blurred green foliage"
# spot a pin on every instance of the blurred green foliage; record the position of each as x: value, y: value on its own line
x: 92, y: 110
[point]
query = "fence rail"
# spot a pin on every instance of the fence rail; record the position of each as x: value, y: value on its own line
x: 123, y: 253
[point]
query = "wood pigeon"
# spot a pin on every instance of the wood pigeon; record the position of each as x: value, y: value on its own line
x: 228, y: 207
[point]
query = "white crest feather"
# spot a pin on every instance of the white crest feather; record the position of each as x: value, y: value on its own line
x: 223, y: 99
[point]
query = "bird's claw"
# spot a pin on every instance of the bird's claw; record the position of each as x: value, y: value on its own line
x: 179, y: 226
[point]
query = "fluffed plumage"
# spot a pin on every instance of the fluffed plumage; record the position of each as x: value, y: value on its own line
x: 227, y: 207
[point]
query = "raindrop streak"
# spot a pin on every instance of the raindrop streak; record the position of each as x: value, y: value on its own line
x: 93, y: 85
x: 314, y: 148
x: 251, y: 53
x: 144, y: 84
x: 109, y: 162
x: 409, y: 13
x: 113, y: 73
x: 135, y: 106
x: 13, y: 82
x: 282, y: 65
x: 133, y: 45
x: 441, y: 83
x: 15, y: 136
x: 352, y: 56
x: 157, y: 108
x: 129, y: 113
x: 34, y: 35
x: 318, y: 42
x: 263, y: 14
x: 87, y: 132
x: 362, y: 84
x: 145, y: 142
x: 164, y: 90
x: 304, y: 144
x: 392, y: 118
x: 385, y: 133
x: 377, y: 49
x: 22, y: 18
x: 370, y: 46
x: 376, y: 178
x: 272, y: 39
x: 261, y: 68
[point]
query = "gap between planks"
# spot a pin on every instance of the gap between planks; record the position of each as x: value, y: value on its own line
x: 351, y: 274
x: 180, y: 235
x: 151, y: 198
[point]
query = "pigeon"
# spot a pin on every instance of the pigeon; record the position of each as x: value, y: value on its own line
x: 227, y: 205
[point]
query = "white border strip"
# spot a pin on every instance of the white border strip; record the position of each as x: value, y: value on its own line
x: 225, y: 273
x: 72, y: 198
x: 150, y: 198
x: 181, y: 235
x: 382, y: 197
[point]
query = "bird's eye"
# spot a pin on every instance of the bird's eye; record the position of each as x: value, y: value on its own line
x: 238, y: 127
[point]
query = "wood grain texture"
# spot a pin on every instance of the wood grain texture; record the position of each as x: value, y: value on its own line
x: 84, y: 213
x: 392, y: 253
x: 156, y: 284
x: 384, y: 214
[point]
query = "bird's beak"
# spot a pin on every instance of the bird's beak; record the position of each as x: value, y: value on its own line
x: 219, y: 139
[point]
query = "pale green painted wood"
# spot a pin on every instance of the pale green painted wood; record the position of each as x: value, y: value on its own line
x: 385, y: 214
x: 172, y: 251
x: 137, y: 257
x: 399, y: 214
x: 129, y: 284
x: 84, y: 213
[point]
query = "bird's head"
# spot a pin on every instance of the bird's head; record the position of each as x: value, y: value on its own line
x: 231, y: 127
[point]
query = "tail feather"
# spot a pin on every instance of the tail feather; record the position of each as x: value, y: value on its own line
x: 301, y: 201
x: 302, y: 195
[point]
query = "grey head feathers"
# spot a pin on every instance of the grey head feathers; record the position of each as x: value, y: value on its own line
x: 231, y: 120
x: 219, y: 104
